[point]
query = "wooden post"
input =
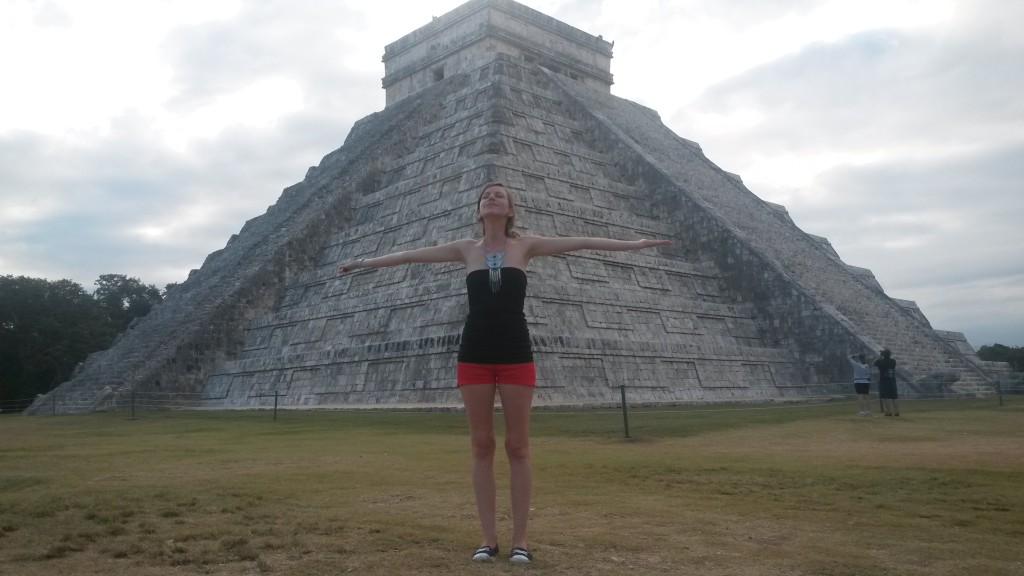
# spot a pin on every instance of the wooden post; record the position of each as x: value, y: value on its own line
x: 625, y: 414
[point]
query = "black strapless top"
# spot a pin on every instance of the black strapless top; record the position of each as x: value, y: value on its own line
x: 495, y: 330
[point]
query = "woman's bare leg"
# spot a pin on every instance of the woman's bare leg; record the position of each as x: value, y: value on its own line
x: 479, y: 402
x: 516, y: 402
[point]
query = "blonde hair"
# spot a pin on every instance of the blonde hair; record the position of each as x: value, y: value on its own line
x: 510, y: 223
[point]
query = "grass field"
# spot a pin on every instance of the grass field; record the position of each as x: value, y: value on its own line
x: 751, y: 490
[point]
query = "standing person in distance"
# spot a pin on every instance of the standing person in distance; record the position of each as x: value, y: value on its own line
x: 495, y: 356
x: 887, y: 383
x: 861, y: 382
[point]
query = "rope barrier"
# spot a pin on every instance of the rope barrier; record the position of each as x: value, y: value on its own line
x: 171, y: 401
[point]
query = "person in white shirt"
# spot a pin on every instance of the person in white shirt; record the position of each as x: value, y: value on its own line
x: 861, y: 382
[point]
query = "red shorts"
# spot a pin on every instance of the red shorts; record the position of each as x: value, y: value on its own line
x: 471, y: 373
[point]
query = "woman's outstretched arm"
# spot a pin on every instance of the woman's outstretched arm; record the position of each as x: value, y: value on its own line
x: 450, y: 252
x: 542, y: 246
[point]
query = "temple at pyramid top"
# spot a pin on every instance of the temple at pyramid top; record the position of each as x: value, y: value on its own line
x: 470, y: 35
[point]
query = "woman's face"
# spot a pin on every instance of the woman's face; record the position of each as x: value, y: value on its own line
x: 494, y: 201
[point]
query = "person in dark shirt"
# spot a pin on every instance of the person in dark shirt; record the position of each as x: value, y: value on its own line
x: 495, y: 355
x: 887, y: 383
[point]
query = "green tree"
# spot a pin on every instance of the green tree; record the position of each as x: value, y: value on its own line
x: 49, y: 327
x: 168, y: 288
x: 46, y: 329
x: 124, y: 299
x: 1014, y: 356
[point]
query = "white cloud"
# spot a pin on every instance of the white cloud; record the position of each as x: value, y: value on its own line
x: 79, y: 63
x: 258, y: 105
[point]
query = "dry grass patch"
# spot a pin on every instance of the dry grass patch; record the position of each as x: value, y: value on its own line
x: 769, y: 490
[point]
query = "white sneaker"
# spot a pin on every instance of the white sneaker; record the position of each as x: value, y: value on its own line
x: 520, y: 556
x: 485, y: 554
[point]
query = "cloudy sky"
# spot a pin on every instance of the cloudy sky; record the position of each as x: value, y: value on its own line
x: 137, y: 135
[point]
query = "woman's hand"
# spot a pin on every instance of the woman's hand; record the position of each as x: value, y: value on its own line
x: 652, y: 243
x: 351, y: 266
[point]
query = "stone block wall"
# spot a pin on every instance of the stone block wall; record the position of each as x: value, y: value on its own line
x: 813, y: 300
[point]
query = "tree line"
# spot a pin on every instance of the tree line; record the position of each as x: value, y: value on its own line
x: 1012, y: 355
x: 48, y: 327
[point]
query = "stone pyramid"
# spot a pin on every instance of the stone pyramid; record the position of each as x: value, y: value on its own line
x: 742, y: 306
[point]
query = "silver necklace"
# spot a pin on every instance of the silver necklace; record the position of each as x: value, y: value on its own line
x: 494, y: 262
